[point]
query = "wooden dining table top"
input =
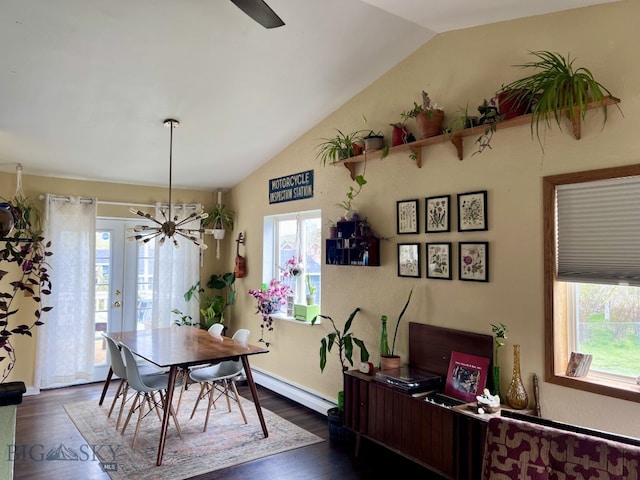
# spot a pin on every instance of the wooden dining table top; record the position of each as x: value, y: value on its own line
x: 183, y: 346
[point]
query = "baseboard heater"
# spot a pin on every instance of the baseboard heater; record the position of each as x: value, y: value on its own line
x: 294, y: 392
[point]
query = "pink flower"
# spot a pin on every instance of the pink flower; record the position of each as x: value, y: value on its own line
x: 467, y: 260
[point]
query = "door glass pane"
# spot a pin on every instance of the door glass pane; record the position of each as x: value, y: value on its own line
x: 103, y: 279
x: 144, y: 285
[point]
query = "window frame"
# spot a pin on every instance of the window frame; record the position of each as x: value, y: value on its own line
x: 555, y: 293
x: 271, y: 253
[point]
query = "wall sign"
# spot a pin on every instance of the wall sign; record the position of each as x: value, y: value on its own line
x: 291, y: 187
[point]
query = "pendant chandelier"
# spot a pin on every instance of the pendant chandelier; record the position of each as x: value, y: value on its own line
x: 169, y: 226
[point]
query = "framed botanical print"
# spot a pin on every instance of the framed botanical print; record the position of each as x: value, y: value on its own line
x: 472, y: 211
x: 473, y: 261
x: 438, y: 260
x: 409, y: 260
x: 437, y: 214
x: 407, y: 216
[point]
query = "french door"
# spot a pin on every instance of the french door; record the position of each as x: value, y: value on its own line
x: 124, y: 286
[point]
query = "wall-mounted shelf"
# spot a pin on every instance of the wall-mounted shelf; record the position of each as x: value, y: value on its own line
x: 457, y: 138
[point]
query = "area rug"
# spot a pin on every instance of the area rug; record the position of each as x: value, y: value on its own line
x: 227, y: 441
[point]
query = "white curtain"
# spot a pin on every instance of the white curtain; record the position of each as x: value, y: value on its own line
x: 176, y: 270
x: 66, y: 340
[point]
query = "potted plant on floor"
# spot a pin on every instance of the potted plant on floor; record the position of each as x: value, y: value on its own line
x: 344, y: 341
x: 556, y: 89
x: 388, y: 359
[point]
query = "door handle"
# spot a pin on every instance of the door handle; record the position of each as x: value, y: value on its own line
x: 117, y: 304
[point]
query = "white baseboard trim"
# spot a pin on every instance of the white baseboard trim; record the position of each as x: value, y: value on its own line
x: 295, y: 392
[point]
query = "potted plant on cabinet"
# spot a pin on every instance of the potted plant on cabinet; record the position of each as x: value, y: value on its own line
x: 556, y: 89
x: 344, y: 341
x: 311, y: 291
x: 388, y: 359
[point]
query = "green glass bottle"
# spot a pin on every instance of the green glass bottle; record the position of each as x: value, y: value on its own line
x: 384, y: 342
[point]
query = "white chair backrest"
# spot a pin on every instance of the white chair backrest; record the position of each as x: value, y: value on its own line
x: 216, y: 329
x: 241, y: 335
x: 117, y: 364
x: 133, y: 374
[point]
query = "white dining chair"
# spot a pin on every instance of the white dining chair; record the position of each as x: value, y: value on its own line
x: 146, y: 387
x: 219, y: 379
x: 120, y: 371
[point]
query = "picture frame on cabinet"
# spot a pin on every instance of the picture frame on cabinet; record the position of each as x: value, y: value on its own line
x: 437, y: 214
x: 407, y: 216
x: 473, y: 261
x: 438, y: 260
x: 472, y: 211
x: 409, y: 264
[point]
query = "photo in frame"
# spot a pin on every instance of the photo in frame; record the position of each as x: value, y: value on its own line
x: 438, y: 260
x: 437, y: 214
x: 409, y: 260
x: 472, y: 211
x: 466, y: 377
x: 473, y: 261
x: 407, y: 216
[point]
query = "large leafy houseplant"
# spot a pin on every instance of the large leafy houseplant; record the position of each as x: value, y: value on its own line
x: 556, y: 89
x: 344, y: 341
x: 29, y: 278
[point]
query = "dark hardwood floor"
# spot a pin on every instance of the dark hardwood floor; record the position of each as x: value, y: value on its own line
x: 42, y: 424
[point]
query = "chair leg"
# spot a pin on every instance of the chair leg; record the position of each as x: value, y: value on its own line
x: 124, y: 400
x: 153, y: 397
x: 226, y: 394
x: 140, y: 415
x: 200, y: 397
x: 211, y: 402
x: 131, y: 410
x: 185, y: 377
x: 172, y: 412
x: 235, y: 392
x: 115, y: 397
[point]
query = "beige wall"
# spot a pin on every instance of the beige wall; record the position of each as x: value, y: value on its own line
x: 34, y: 186
x: 456, y: 68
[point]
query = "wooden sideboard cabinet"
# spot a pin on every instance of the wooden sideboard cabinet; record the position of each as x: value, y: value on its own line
x: 412, y: 427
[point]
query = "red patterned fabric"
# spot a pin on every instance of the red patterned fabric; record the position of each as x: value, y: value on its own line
x: 518, y: 450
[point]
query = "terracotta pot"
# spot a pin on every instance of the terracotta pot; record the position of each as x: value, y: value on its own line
x: 510, y: 105
x: 430, y: 123
x: 389, y: 362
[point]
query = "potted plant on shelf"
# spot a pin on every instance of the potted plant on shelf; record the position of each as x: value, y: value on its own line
x: 388, y: 359
x: 429, y: 117
x: 556, y: 89
x: 219, y: 219
x: 339, y: 147
x: 344, y: 341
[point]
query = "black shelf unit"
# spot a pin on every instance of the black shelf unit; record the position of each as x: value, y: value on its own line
x: 351, y: 247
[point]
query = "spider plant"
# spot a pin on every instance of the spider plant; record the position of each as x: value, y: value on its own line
x: 338, y: 147
x: 556, y: 88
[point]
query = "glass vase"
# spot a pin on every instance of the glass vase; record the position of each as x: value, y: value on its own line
x: 516, y: 394
x: 384, y: 341
x: 496, y: 380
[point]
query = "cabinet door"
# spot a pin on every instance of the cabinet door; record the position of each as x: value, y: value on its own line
x: 356, y: 405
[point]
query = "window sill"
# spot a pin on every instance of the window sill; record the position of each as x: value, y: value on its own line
x: 286, y: 318
x: 601, y: 386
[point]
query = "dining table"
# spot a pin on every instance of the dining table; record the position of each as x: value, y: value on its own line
x: 180, y: 347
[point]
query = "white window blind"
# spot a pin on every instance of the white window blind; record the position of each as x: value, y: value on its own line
x: 598, y: 227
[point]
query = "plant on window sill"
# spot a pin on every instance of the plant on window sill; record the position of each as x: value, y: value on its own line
x: 270, y: 299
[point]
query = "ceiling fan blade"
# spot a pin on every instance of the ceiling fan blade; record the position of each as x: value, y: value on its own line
x: 260, y: 12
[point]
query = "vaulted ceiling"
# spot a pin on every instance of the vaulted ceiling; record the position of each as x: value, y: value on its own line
x: 86, y: 84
